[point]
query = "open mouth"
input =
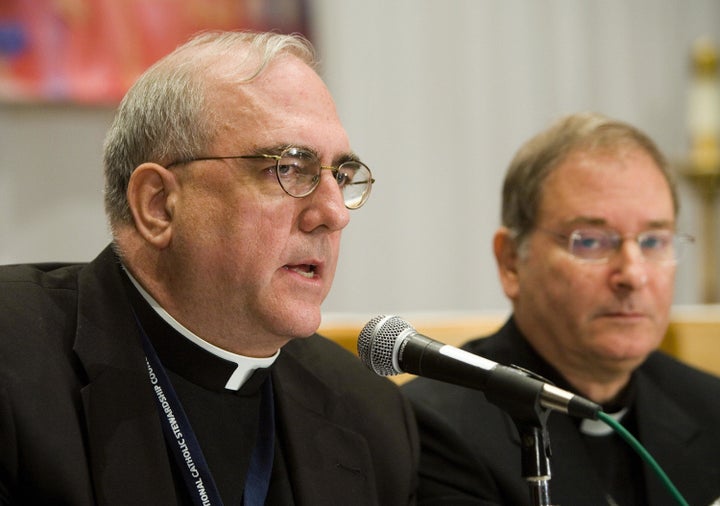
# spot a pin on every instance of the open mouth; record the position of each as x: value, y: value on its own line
x: 305, y: 270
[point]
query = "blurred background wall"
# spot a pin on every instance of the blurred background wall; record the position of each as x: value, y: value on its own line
x: 436, y: 97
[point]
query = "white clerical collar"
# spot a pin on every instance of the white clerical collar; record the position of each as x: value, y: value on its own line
x: 598, y: 427
x: 245, y: 365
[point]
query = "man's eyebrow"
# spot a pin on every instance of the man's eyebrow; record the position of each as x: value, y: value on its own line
x: 587, y: 220
x: 271, y: 150
x: 661, y: 224
x: 602, y: 222
x: 346, y: 157
x: 337, y: 159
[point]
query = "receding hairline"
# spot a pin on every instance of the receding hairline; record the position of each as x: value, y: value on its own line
x: 539, y: 156
x: 248, y: 52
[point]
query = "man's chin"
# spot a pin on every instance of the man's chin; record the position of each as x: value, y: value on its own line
x: 627, y: 358
x: 303, y: 324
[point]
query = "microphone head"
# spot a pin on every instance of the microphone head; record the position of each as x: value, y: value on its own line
x: 378, y: 341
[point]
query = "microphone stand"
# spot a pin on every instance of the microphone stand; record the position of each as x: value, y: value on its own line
x: 530, y: 418
x: 535, y: 460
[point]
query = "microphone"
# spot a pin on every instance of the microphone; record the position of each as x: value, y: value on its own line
x: 389, y: 345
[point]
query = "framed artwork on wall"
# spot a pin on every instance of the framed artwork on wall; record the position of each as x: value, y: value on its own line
x: 91, y: 51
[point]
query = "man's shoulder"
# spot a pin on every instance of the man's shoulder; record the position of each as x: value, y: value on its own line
x: 487, y: 345
x: 673, y: 375
x: 665, y: 381
x: 33, y: 287
x: 47, y: 275
x: 36, y: 292
x: 332, y: 363
x: 38, y: 312
x: 498, y: 347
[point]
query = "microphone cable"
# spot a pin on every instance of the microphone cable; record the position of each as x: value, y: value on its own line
x: 644, y: 454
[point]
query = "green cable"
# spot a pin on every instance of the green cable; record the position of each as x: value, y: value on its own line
x: 635, y: 444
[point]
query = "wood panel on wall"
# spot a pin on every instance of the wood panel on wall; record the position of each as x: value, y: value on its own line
x: 693, y: 335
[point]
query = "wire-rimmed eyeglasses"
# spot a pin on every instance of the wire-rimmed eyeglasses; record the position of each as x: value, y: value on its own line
x: 298, y: 172
x: 598, y: 245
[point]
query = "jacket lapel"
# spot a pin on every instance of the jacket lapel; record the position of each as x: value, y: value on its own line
x: 667, y: 433
x: 572, y: 464
x: 124, y: 435
x: 327, y: 462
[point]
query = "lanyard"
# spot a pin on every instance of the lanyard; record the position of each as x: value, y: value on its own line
x: 186, y: 449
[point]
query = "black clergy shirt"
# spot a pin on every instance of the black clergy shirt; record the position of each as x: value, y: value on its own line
x: 225, y: 422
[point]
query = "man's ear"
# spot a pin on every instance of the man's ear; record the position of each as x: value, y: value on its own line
x: 506, y: 256
x: 151, y: 194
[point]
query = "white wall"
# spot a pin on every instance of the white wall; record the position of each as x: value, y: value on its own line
x: 51, y: 180
x: 436, y: 96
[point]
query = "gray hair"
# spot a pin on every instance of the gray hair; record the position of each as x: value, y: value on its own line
x: 542, y: 154
x: 163, y: 117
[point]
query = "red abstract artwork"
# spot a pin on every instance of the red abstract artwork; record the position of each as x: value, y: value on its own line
x: 91, y: 51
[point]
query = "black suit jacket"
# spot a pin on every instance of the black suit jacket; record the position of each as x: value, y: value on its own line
x: 471, y: 454
x: 78, y: 423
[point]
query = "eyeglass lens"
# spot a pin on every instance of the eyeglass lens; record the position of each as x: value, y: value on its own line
x: 298, y: 173
x: 655, y: 245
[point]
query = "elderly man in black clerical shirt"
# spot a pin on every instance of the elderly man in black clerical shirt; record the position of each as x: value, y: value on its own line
x: 181, y: 365
x: 586, y: 253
